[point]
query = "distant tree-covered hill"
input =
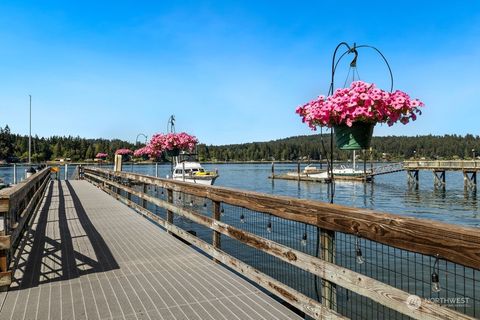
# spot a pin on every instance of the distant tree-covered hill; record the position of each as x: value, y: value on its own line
x: 14, y: 147
x: 311, y: 147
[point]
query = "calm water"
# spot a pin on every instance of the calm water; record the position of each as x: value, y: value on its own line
x: 389, y: 193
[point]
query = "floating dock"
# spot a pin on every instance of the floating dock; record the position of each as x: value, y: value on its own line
x: 306, y: 177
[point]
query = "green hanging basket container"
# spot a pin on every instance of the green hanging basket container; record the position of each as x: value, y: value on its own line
x: 173, y: 153
x: 356, y: 137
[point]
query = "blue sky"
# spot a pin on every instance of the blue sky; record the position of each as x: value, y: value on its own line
x: 230, y: 71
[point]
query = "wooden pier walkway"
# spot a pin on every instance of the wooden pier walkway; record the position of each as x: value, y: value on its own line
x: 88, y: 256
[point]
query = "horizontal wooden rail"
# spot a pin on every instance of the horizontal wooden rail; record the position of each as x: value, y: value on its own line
x: 17, y: 204
x: 451, y: 242
x: 382, y: 293
x: 295, y: 298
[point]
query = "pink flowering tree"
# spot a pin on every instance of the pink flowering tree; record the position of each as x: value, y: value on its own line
x: 172, y: 143
x: 361, y: 102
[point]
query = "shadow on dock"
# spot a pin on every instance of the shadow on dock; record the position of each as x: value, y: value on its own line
x: 49, y: 251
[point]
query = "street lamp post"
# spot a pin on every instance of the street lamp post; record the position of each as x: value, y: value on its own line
x: 136, y: 141
x: 473, y: 154
x: 30, y: 134
x: 30, y: 171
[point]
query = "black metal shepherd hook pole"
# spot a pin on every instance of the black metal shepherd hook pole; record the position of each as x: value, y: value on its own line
x: 353, y: 64
x: 171, y: 124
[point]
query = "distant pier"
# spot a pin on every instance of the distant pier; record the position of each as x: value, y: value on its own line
x: 469, y: 168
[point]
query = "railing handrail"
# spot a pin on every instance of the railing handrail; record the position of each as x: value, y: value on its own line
x: 20, y: 187
x: 442, y: 164
x: 455, y: 243
x: 17, y: 204
x: 376, y: 290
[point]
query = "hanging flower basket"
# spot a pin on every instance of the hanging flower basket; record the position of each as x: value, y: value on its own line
x: 101, y: 156
x: 354, y: 111
x: 125, y: 153
x: 356, y: 137
x: 172, y: 143
x: 143, y: 153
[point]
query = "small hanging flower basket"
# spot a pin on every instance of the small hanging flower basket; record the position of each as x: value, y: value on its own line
x: 143, y: 153
x: 125, y: 153
x: 354, y: 111
x: 101, y: 156
x: 172, y: 143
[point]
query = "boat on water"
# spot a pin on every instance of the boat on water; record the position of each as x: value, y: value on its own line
x: 187, y: 168
x: 340, y: 172
x: 311, y: 171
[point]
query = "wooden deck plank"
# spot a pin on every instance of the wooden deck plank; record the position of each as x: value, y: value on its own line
x: 87, y: 255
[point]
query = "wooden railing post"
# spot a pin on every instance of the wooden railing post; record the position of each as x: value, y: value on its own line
x: 216, y: 242
x: 4, y: 275
x: 145, y: 189
x: 128, y: 194
x: 170, y: 200
x: 329, y: 291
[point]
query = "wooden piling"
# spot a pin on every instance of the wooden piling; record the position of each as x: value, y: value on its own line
x: 329, y: 291
x: 439, y: 177
x: 145, y: 190
x: 413, y: 176
x: 470, y: 179
x: 216, y: 239
x: 170, y: 200
x: 117, y: 167
x: 298, y: 170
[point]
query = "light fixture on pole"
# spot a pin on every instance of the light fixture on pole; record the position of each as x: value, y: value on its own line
x: 30, y: 134
x: 30, y: 171
x: 136, y: 141
x: 138, y: 135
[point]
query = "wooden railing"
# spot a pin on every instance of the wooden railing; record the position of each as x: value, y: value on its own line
x: 17, y: 204
x: 453, y: 244
x: 442, y: 164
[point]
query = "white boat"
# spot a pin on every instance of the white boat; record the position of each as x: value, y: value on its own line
x: 312, y: 171
x: 188, y: 169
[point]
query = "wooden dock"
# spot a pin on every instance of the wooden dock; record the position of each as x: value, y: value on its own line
x: 88, y: 256
x: 108, y: 246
